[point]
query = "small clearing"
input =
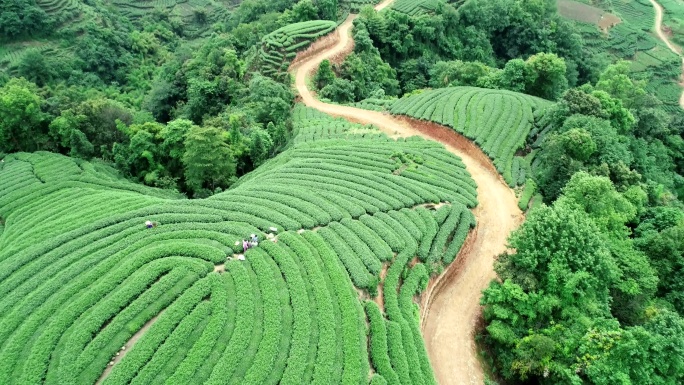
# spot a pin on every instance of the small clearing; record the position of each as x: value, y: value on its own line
x: 586, y: 13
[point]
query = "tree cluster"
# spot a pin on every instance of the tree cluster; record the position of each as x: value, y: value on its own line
x: 165, y: 112
x: 591, y: 294
x: 430, y: 49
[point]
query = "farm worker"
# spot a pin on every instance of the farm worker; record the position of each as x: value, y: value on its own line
x: 149, y: 224
x: 255, y: 239
x: 245, y: 245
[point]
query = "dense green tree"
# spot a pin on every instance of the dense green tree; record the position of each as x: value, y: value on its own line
x: 64, y: 130
x: 324, y: 75
x: 260, y: 146
x: 457, y: 73
x: 304, y: 10
x: 105, y: 51
x: 616, y: 81
x: 577, y: 101
x: 569, y: 150
x: 562, y: 155
x: 619, y: 117
x: 97, y: 120
x: 271, y: 101
x: 552, y: 288
x: 547, y: 76
x: 21, y: 119
x: 327, y: 9
x: 213, y: 80
x: 23, y: 17
x: 653, y: 123
x: 514, y: 76
x: 208, y: 161
x: 340, y: 91
x: 80, y: 146
x: 665, y: 249
x: 414, y: 73
x: 173, y: 143
x: 368, y: 74
x: 648, y: 354
x: 34, y: 67
x: 596, y: 196
x: 611, y: 211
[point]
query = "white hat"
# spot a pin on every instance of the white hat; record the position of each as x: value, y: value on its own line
x: 252, y: 235
x: 148, y: 223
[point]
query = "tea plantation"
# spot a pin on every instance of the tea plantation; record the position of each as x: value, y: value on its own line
x: 80, y: 274
x: 498, y: 121
x: 279, y: 47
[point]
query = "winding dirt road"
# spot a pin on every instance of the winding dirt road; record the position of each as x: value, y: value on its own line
x: 659, y: 31
x: 449, y: 319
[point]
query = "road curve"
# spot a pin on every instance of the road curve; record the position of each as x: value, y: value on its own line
x: 659, y: 31
x: 449, y: 321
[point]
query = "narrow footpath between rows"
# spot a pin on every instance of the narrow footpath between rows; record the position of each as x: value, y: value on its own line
x: 451, y: 307
x: 659, y: 31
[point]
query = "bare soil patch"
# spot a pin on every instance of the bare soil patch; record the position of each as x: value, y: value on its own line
x: 587, y: 14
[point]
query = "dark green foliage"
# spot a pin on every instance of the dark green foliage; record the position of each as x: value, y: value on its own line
x: 327, y: 9
x: 105, y: 52
x: 478, y: 34
x: 324, y: 75
x: 208, y: 161
x: 22, y: 123
x: 557, y: 279
x: 23, y: 17
x: 340, y: 91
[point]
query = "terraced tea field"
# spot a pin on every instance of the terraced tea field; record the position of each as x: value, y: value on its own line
x: 414, y: 7
x: 498, y: 121
x: 280, y: 47
x: 81, y: 274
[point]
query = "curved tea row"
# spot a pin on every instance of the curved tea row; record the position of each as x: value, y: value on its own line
x: 80, y: 274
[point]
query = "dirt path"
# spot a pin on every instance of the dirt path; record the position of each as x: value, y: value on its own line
x: 453, y: 305
x: 128, y: 347
x: 383, y: 5
x: 659, y: 31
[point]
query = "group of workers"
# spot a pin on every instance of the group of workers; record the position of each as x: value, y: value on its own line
x: 246, y: 244
x: 253, y: 242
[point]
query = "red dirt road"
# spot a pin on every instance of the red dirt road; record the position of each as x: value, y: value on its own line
x: 452, y: 303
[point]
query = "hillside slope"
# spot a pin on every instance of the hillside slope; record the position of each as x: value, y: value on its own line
x: 80, y: 274
x: 449, y: 322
